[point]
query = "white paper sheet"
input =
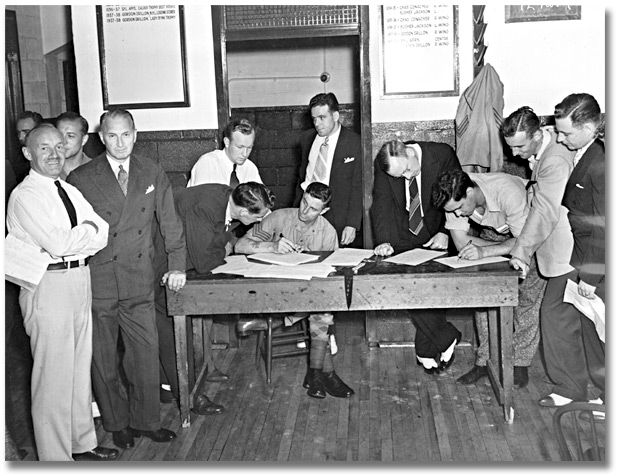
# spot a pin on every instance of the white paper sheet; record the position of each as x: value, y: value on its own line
x: 455, y: 262
x: 348, y: 256
x: 414, y: 257
x: 593, y: 309
x: 24, y: 264
x: 285, y: 259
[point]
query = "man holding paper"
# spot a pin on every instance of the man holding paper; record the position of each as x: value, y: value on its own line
x: 497, y: 201
x: 291, y: 230
x: 54, y: 216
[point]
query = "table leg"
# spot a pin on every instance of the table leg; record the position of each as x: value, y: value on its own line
x: 180, y: 340
x: 506, y: 316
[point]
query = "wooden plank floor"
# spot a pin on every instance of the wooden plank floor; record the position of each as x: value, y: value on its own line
x: 398, y: 413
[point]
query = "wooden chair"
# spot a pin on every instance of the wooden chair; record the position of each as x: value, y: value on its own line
x: 267, y: 342
x: 587, y: 438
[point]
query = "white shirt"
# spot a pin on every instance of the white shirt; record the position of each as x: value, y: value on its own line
x: 115, y: 164
x: 36, y: 212
x: 418, y: 179
x: 580, y: 153
x: 545, y: 142
x: 314, y: 155
x: 216, y: 167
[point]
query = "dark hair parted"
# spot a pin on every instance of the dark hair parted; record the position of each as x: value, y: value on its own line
x: 325, y: 99
x: 522, y: 120
x: 238, y: 125
x: 581, y: 108
x: 452, y: 184
x: 116, y: 114
x: 71, y: 116
x: 320, y: 191
x: 35, y: 116
x: 254, y: 196
x: 393, y: 148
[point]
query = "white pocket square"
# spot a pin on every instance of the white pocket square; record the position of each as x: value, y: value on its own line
x: 348, y: 159
x: 578, y: 186
x: 149, y: 189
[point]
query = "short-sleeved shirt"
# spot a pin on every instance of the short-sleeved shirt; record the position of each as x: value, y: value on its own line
x: 506, y: 204
x: 320, y: 236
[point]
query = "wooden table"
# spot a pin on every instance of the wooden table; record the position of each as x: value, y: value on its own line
x: 376, y: 286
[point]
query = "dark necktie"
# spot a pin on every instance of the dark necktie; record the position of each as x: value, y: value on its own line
x: 123, y: 177
x: 234, y: 180
x: 415, y: 212
x: 68, y: 205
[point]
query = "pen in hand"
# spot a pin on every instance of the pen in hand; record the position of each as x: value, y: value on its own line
x: 468, y: 243
x: 297, y: 248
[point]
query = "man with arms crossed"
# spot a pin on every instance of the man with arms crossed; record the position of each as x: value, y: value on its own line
x: 50, y: 214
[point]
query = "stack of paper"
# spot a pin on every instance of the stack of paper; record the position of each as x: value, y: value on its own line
x: 348, y: 256
x: 285, y: 259
x: 414, y: 257
x: 455, y: 262
x: 240, y: 265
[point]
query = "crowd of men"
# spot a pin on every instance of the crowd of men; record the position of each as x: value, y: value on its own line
x: 116, y: 235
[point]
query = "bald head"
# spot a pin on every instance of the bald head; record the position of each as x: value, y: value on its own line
x: 45, y: 150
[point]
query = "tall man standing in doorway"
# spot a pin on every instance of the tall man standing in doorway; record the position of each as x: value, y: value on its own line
x: 332, y: 154
x: 129, y: 192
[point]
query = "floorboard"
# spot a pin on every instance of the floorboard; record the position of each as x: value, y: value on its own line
x: 398, y: 413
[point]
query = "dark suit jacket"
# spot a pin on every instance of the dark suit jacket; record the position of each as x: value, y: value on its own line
x: 390, y: 219
x: 124, y: 268
x: 585, y: 200
x: 345, y: 180
x: 202, y: 210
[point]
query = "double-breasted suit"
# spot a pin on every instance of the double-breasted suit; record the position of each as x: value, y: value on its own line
x: 345, y: 180
x: 122, y: 282
x: 390, y: 224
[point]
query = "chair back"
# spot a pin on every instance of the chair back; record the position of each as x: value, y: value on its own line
x: 580, y: 438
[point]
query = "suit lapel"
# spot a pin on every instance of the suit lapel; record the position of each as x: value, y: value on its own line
x: 428, y: 172
x: 108, y: 184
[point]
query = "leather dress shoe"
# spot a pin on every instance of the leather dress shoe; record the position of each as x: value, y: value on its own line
x: 165, y: 396
x: 204, y: 406
x: 473, y: 375
x: 335, y: 386
x: 98, y: 453
x: 598, y: 417
x: 216, y: 376
x: 428, y: 370
x: 521, y: 377
x: 446, y: 365
x: 160, y: 436
x: 316, y: 385
x: 123, y: 438
x: 553, y: 401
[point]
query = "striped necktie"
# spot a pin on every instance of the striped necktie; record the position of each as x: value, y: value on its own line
x: 123, y: 177
x: 320, y: 168
x: 415, y: 212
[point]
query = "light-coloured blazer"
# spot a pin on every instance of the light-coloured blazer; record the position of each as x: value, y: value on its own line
x: 547, y: 231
